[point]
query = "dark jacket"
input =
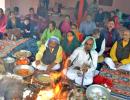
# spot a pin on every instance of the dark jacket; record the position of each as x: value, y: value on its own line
x: 115, y: 35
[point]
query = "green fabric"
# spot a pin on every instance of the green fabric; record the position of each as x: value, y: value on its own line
x: 94, y: 44
x: 47, y: 34
x: 69, y: 48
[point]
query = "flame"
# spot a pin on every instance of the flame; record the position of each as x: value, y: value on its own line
x: 57, y: 89
x: 55, y: 75
x: 53, y: 93
x: 45, y: 95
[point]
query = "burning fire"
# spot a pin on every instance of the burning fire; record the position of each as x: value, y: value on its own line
x: 45, y: 95
x: 57, y: 89
x: 49, y: 94
x: 53, y: 93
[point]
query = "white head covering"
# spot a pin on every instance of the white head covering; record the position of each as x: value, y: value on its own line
x: 52, y: 38
x: 94, y: 42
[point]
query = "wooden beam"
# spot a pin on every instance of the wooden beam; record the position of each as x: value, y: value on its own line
x: 80, y: 11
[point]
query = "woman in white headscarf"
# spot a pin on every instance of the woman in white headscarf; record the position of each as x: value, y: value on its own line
x: 83, y: 60
x: 50, y: 54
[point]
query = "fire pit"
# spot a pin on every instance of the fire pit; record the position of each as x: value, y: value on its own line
x: 54, y: 88
x: 48, y: 87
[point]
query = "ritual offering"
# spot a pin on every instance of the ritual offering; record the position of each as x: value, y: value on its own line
x: 23, y: 70
x: 22, y: 53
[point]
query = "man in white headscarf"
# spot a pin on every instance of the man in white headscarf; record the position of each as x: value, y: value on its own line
x: 50, y: 54
x: 83, y: 60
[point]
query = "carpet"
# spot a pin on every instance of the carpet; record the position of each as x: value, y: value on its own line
x: 29, y: 45
x: 7, y: 45
x: 120, y: 80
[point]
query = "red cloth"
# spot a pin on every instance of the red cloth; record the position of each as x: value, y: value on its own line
x: 3, y: 22
x: 117, y: 23
x: 81, y: 37
x: 102, y: 80
x: 65, y: 27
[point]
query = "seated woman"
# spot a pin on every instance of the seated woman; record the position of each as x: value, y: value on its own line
x: 50, y: 54
x: 65, y: 25
x: 69, y: 43
x: 51, y: 30
x: 3, y: 22
x: 120, y: 53
x: 83, y: 63
x: 13, y: 26
x: 78, y: 34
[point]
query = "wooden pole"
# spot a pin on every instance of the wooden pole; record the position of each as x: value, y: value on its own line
x: 80, y: 11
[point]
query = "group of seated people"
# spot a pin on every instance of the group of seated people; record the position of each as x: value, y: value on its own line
x: 12, y: 23
x: 77, y: 51
x: 79, y: 55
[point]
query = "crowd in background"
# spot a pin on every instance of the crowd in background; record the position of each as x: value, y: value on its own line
x: 104, y: 36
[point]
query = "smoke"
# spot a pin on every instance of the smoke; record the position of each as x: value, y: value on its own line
x: 11, y: 89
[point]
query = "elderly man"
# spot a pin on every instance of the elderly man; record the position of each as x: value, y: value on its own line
x: 120, y: 53
x: 83, y: 63
x: 50, y: 54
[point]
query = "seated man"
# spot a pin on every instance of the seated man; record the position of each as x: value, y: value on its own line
x: 27, y: 28
x: 83, y: 63
x: 110, y: 34
x: 50, y: 54
x: 120, y: 53
x: 100, y: 42
x: 87, y: 26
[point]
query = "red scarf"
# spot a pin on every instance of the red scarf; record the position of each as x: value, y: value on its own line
x: 3, y: 22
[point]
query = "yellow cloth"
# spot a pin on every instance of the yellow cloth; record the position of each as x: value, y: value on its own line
x: 43, y: 48
x: 100, y: 59
x: 113, y: 53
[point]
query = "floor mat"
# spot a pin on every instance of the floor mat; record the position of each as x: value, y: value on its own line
x: 120, y: 80
x: 7, y: 45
